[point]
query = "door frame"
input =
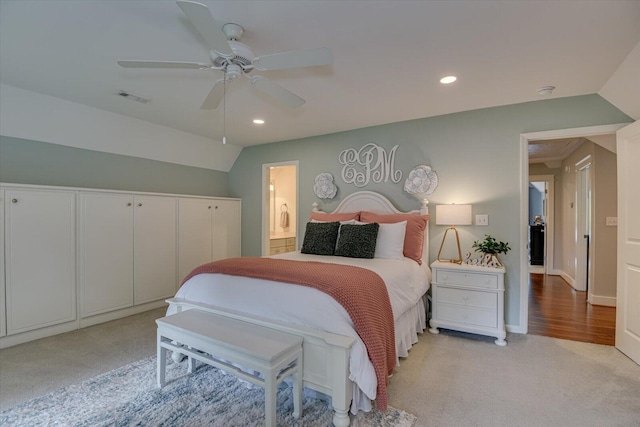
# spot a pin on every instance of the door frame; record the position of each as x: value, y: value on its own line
x: 266, y: 205
x: 524, y: 202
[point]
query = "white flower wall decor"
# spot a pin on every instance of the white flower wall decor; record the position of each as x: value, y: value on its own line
x: 422, y: 180
x: 324, y: 186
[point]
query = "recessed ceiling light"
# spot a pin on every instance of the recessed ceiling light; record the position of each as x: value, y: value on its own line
x: 546, y: 90
x: 258, y: 121
x: 448, y: 79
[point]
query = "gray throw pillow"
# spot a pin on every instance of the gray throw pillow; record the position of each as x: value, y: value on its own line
x: 320, y: 238
x: 358, y: 241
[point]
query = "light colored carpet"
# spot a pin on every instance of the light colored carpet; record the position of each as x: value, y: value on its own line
x: 451, y: 379
x: 129, y: 396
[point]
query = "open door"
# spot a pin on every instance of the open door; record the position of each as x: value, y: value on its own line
x: 279, y: 207
x: 583, y: 227
x: 628, y: 298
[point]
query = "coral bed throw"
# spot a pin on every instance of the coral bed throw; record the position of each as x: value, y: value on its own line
x: 361, y: 292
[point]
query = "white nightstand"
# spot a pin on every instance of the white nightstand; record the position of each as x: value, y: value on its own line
x: 468, y: 298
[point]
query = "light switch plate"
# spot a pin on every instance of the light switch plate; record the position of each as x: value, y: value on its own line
x: 612, y: 221
x: 482, y: 219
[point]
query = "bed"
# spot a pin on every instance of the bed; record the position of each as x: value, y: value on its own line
x: 335, y: 362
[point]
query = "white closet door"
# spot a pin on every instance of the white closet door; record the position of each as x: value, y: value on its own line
x: 226, y: 229
x: 194, y: 234
x: 106, y: 252
x: 154, y: 248
x: 40, y: 259
x: 3, y: 313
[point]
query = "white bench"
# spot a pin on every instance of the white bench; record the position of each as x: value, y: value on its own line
x: 220, y: 341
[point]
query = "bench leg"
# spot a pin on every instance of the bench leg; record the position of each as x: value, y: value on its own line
x: 162, y: 362
x: 297, y: 394
x: 192, y: 364
x: 270, y: 396
x: 297, y: 389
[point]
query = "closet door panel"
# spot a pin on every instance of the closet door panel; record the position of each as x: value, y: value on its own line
x: 226, y: 229
x: 194, y: 234
x: 154, y: 248
x: 106, y: 252
x: 3, y: 313
x: 40, y: 261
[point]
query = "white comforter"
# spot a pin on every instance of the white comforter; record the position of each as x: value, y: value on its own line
x: 406, y: 283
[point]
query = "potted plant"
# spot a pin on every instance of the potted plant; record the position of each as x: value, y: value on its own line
x: 490, y: 246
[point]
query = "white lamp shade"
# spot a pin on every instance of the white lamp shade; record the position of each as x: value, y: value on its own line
x: 453, y: 214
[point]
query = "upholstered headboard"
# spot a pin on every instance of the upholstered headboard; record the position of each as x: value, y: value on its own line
x: 376, y: 202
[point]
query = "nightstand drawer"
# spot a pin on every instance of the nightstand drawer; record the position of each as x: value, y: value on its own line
x: 468, y: 298
x: 478, y: 280
x: 467, y: 315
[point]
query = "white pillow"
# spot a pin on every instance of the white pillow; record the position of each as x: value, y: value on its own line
x: 390, y: 243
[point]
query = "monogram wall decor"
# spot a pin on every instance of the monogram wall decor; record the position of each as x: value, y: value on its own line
x: 370, y: 163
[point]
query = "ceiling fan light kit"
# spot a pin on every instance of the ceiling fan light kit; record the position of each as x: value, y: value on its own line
x: 236, y: 59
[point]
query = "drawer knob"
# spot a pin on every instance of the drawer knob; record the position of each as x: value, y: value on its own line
x: 14, y: 200
x: 129, y: 204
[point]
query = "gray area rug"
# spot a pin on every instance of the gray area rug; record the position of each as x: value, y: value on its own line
x: 128, y: 396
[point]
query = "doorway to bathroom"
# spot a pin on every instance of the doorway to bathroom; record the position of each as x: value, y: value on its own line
x: 280, y: 208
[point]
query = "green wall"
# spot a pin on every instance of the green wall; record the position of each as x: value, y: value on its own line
x: 476, y: 155
x: 32, y: 162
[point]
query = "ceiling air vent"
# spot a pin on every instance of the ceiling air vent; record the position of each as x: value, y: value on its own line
x: 127, y: 95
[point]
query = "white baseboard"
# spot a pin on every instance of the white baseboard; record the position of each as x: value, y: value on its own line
x: 555, y: 272
x: 36, y: 334
x: 11, y: 340
x: 113, y: 315
x: 516, y: 329
x: 570, y: 280
x: 600, y: 300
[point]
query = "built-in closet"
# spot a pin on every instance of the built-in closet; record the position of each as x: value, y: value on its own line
x: 76, y: 257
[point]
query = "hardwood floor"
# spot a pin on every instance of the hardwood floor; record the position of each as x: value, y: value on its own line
x: 557, y: 310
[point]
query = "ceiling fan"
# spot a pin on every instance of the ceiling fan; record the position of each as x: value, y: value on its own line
x: 236, y: 59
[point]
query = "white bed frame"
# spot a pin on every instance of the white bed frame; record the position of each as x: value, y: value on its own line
x: 326, y: 355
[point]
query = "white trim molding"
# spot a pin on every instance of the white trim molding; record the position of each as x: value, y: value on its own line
x: 524, y: 200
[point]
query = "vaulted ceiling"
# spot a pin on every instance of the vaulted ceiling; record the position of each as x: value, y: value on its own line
x: 388, y: 59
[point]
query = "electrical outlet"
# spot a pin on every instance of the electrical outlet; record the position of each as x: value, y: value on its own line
x: 612, y: 221
x: 482, y: 219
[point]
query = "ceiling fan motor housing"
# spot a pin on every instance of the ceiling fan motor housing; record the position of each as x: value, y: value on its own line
x: 242, y: 56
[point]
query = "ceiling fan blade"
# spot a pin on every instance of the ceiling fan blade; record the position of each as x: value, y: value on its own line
x: 163, y: 64
x: 276, y: 91
x: 201, y: 18
x: 294, y: 59
x: 212, y: 100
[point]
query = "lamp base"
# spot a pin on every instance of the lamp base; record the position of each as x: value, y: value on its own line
x: 454, y: 261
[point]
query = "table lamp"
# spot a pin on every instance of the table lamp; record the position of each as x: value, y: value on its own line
x: 452, y: 215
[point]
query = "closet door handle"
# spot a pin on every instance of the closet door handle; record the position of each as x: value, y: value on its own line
x: 14, y: 200
x: 139, y: 204
x: 129, y: 204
